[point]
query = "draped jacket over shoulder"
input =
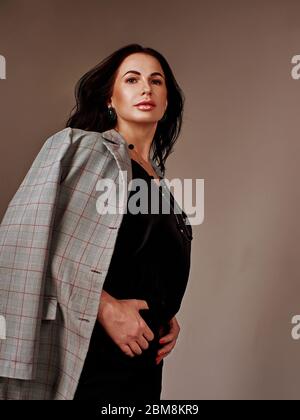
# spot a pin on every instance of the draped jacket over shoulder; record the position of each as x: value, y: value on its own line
x: 55, y: 251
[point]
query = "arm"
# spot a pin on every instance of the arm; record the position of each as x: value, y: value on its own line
x: 25, y: 237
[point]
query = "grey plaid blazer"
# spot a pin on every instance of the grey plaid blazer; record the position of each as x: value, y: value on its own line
x: 55, y: 251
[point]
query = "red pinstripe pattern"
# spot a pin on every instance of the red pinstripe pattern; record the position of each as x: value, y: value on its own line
x: 53, y: 243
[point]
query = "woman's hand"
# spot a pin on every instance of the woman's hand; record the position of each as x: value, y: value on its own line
x: 123, y: 323
x: 168, y: 340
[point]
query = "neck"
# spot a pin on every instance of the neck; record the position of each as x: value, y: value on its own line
x: 141, y: 136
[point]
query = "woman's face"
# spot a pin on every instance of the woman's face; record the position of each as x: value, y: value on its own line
x: 131, y: 88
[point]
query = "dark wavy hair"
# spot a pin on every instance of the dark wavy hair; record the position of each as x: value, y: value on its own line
x: 94, y: 90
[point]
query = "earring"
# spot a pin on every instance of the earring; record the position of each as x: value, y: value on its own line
x: 112, y: 113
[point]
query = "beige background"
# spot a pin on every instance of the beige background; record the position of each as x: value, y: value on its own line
x: 240, y: 133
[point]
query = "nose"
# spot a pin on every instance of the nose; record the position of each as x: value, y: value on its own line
x: 146, y: 87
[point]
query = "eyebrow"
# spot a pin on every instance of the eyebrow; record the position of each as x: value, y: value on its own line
x: 156, y: 73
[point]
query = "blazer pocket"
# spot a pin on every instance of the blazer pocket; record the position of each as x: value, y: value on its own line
x: 49, y: 308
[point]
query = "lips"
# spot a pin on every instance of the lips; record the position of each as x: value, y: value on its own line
x: 148, y: 103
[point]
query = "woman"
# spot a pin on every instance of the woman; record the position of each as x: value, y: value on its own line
x: 110, y: 347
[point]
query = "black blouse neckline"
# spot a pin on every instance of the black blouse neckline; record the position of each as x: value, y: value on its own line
x: 150, y: 176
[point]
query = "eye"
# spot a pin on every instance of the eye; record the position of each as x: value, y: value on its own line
x: 134, y: 78
x: 131, y: 78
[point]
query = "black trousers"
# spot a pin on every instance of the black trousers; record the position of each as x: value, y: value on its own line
x: 110, y: 375
x: 141, y: 385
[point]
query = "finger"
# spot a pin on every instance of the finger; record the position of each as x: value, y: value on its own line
x: 135, y: 348
x: 141, y: 304
x: 159, y: 358
x: 143, y: 343
x: 173, y: 332
x: 167, y: 338
x: 166, y: 349
x: 148, y: 333
x: 127, y: 350
x: 174, y: 326
x: 163, y: 354
x: 174, y: 323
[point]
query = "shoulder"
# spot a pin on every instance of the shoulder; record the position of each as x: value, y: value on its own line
x: 76, y: 136
x: 74, y: 140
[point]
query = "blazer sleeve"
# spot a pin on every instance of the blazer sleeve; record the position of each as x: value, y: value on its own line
x: 25, y: 236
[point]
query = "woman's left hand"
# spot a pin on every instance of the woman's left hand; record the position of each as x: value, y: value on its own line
x: 168, y: 340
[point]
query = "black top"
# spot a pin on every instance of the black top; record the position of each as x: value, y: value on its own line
x: 151, y: 261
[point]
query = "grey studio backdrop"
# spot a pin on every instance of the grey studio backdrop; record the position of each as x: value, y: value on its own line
x: 240, y: 134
